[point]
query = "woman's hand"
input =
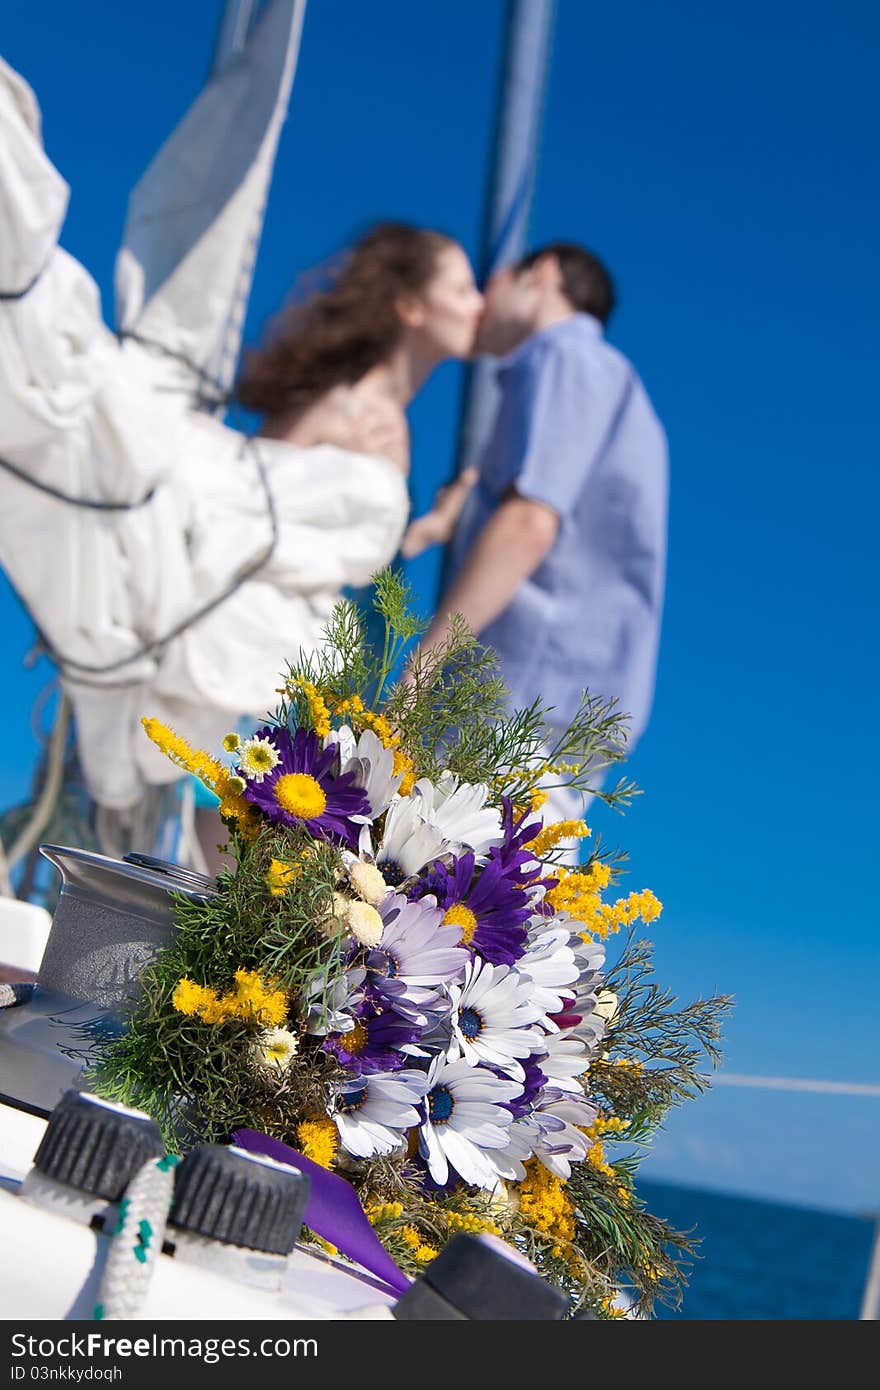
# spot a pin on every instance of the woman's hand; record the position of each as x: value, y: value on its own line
x: 437, y: 525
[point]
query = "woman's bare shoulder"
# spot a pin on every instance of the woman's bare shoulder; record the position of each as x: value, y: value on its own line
x: 363, y: 424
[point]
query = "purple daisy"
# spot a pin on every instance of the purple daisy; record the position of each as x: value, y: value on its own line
x: 518, y: 861
x: 488, y: 906
x: 304, y: 788
x: 379, y: 1041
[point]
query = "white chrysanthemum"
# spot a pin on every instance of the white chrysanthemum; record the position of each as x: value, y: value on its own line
x: 561, y: 1120
x: 606, y: 1005
x: 364, y: 923
x: 459, y: 811
x: 550, y: 963
x: 493, y: 1017
x: 373, y: 766
x: 256, y: 758
x: 276, y: 1048
x: 373, y: 1112
x: 466, y: 1123
x: 334, y: 924
x: 365, y: 879
x: 331, y: 997
x: 408, y: 842
x: 565, y: 1058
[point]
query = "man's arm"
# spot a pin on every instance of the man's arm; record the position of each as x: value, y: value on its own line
x: 506, y: 552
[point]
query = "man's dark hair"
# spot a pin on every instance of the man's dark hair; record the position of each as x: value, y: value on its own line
x: 585, y: 281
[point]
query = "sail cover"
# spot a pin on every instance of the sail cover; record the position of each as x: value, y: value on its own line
x: 184, y: 270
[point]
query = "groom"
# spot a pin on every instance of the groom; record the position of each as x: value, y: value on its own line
x: 558, y: 558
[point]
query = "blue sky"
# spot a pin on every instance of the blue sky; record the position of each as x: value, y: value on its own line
x: 725, y: 165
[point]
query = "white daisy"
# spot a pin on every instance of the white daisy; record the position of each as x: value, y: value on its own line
x: 561, y: 1120
x: 510, y: 1162
x: 409, y: 842
x: 329, y: 998
x: 565, y: 1058
x: 466, y: 1122
x: 256, y: 758
x: 275, y: 1049
x: 549, y: 962
x: 590, y: 956
x: 416, y: 957
x: 492, y: 1017
x: 459, y: 811
x: 373, y: 766
x: 344, y: 740
x: 373, y: 1112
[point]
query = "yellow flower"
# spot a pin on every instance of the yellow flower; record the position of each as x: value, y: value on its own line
x: 460, y: 915
x: 190, y: 998
x: 550, y: 836
x: 384, y: 1211
x: 610, y: 1311
x: 231, y: 742
x: 254, y: 998
x: 404, y: 764
x: 472, y: 1223
x: 250, y: 999
x: 318, y: 711
x: 318, y: 1140
x: 421, y: 1251
x: 544, y: 1204
x: 233, y: 806
x: 280, y: 876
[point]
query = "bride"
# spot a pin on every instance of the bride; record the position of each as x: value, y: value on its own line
x: 171, y: 563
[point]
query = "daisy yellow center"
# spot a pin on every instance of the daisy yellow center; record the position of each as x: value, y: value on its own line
x: 258, y: 756
x: 460, y: 916
x: 300, y: 795
x: 356, y: 1040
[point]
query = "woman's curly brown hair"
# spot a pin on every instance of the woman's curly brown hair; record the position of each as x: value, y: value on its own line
x: 338, y: 335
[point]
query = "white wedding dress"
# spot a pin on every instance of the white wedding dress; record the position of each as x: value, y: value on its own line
x: 88, y: 416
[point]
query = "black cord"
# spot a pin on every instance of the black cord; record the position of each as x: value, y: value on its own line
x: 20, y: 294
x: 93, y: 504
x: 221, y: 395
x: 77, y: 670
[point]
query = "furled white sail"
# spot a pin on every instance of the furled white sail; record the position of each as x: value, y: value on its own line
x: 124, y: 512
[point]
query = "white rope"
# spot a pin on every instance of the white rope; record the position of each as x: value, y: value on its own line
x: 48, y: 798
x: 137, y: 1241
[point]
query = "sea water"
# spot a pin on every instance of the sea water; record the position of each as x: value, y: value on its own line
x: 762, y: 1260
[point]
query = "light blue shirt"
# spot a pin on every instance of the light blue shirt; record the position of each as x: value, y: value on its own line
x: 576, y: 431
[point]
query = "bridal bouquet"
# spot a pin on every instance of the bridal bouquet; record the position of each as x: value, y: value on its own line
x: 400, y: 980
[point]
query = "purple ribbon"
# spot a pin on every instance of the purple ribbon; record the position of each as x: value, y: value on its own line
x: 333, y: 1210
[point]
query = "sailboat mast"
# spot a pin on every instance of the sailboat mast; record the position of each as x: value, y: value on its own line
x: 510, y: 185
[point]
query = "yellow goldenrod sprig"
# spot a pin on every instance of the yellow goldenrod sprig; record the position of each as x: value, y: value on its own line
x: 250, y: 999
x: 212, y: 773
x: 318, y: 1140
